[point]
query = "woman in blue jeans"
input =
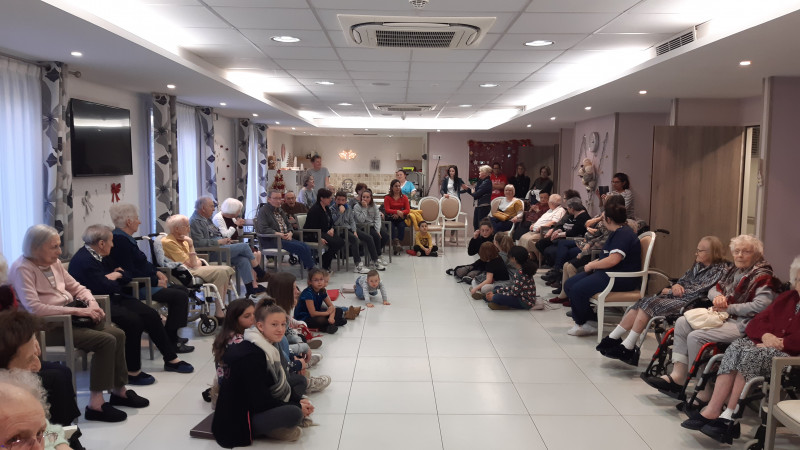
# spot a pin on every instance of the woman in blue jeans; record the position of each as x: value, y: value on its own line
x: 622, y: 253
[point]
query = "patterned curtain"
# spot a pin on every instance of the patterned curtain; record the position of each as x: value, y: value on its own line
x: 57, y: 154
x: 261, y: 139
x: 208, y: 154
x: 242, y: 150
x: 165, y: 159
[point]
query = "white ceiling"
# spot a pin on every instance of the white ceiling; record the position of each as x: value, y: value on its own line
x: 217, y: 36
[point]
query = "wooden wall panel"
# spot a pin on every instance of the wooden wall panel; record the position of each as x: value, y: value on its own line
x: 696, y: 190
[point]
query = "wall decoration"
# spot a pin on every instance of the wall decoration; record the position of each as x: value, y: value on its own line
x: 486, y: 153
x: 375, y: 165
x: 115, y: 189
x: 165, y: 158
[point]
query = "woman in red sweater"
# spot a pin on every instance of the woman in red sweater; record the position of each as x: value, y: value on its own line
x: 774, y: 332
x: 396, y: 207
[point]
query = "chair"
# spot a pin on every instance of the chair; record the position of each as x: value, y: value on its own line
x: 450, y: 212
x: 786, y: 412
x: 315, y: 245
x: 606, y: 298
x: 69, y: 352
x: 429, y: 207
x: 494, y: 205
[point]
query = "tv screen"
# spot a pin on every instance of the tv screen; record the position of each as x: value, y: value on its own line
x: 101, y: 139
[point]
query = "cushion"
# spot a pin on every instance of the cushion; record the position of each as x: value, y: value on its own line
x: 790, y: 408
x: 621, y: 297
x: 450, y: 224
x: 450, y: 207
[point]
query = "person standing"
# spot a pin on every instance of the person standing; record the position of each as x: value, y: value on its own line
x: 320, y: 174
x: 482, y: 196
x: 520, y: 181
x: 541, y: 184
x: 499, y: 180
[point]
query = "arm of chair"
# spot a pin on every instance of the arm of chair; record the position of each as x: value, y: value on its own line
x: 302, y: 232
x: 775, y: 385
x: 147, y: 284
x: 105, y: 302
x: 223, y: 252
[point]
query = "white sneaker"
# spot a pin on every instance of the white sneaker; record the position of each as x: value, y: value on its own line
x: 379, y: 266
x: 382, y: 261
x: 315, y: 359
x: 582, y: 330
x: 316, y: 384
x: 359, y: 268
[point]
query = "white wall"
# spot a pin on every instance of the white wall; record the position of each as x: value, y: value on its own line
x: 384, y: 149
x: 92, y: 195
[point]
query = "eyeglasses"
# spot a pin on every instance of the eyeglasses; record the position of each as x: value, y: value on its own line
x: 699, y: 250
x: 740, y: 251
x: 46, y: 437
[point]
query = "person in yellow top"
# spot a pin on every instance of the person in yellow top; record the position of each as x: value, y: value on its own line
x: 178, y: 247
x: 507, y: 209
x: 424, y: 245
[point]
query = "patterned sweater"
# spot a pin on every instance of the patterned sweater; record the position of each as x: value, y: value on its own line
x: 521, y: 286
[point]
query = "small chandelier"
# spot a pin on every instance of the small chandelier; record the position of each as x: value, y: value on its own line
x: 347, y: 154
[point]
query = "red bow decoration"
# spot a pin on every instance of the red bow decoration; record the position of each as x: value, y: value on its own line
x: 115, y: 188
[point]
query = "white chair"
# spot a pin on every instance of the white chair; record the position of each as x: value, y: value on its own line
x: 606, y: 298
x: 451, y: 217
x: 429, y: 208
x: 786, y: 412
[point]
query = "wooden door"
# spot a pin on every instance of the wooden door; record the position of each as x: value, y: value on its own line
x: 696, y: 190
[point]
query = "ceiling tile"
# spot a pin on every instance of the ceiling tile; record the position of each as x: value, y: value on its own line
x: 582, y: 56
x: 650, y: 23
x: 254, y: 3
x: 320, y: 74
x: 270, y: 18
x: 190, y: 16
x: 603, y: 41
x: 561, y: 22
x: 529, y: 56
x: 561, y: 41
x: 438, y: 76
x: 374, y: 54
x: 578, y: 6
x: 382, y: 84
x: 300, y: 64
x: 378, y: 76
x: 437, y: 68
x: 308, y: 38
x: 441, y: 55
x: 469, y: 99
x: 316, y: 53
x: 338, y: 84
x: 481, y: 77
x: 211, y: 36
x: 433, y: 85
x: 491, y: 68
x: 229, y: 62
x: 237, y: 51
x: 475, y: 88
x: 369, y: 66
x: 671, y: 6
x: 560, y: 68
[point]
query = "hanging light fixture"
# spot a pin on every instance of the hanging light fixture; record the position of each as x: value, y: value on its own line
x: 347, y: 154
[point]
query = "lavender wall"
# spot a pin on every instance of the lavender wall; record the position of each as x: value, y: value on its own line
x: 781, y: 215
x: 719, y: 112
x: 634, y: 155
x: 602, y: 160
x: 453, y: 148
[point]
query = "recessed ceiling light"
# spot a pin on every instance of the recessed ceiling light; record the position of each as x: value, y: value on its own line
x: 745, y: 63
x: 588, y: 108
x: 255, y: 115
x: 366, y: 129
x: 529, y: 125
x: 438, y: 131
x: 326, y: 83
x: 345, y: 104
x: 277, y: 123
x: 642, y: 92
x: 170, y: 86
x: 285, y: 39
x: 294, y: 128
x: 223, y: 104
x: 78, y: 54
x: 539, y: 43
x: 553, y: 118
x: 489, y: 85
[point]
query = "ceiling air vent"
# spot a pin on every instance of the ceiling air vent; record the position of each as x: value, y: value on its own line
x: 404, y: 107
x: 684, y: 38
x: 414, y: 32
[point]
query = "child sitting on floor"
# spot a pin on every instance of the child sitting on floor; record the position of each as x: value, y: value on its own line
x: 370, y: 284
x: 310, y: 305
x: 521, y: 292
x: 424, y: 245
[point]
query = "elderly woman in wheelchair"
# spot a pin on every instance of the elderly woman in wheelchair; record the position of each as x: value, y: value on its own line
x: 708, y: 268
x: 745, y: 290
x: 774, y: 332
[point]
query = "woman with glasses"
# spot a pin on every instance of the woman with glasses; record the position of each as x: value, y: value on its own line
x: 746, y: 289
x: 621, y: 185
x: 709, y: 266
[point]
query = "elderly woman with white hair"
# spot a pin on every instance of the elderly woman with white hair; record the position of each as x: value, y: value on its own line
x: 24, y: 415
x: 93, y: 267
x: 482, y: 195
x: 228, y: 219
x: 773, y: 333
x: 45, y: 288
x: 745, y: 290
x: 179, y: 247
x: 126, y: 253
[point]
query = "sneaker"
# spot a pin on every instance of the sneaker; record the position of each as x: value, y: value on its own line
x: 314, y: 344
x: 607, y: 343
x: 142, y: 379
x: 359, y: 268
x: 315, y: 359
x: 582, y: 330
x: 107, y: 413
x: 180, y: 367
x: 479, y: 296
x: 379, y: 266
x: 382, y: 261
x: 290, y: 434
x: 317, y: 384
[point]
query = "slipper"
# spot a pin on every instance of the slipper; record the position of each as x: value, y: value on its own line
x: 664, y: 385
x: 449, y: 271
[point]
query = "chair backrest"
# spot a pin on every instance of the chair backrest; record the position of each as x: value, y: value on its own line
x: 301, y: 220
x: 495, y: 205
x: 647, y: 241
x: 158, y: 253
x: 429, y: 207
x: 450, y: 207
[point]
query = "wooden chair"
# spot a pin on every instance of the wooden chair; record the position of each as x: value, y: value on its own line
x: 606, y: 298
x: 786, y: 412
x: 450, y: 217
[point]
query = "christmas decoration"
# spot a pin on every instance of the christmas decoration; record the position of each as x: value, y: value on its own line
x: 277, y: 184
x: 115, y: 190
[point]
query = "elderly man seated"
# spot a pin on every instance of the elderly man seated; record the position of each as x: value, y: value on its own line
x: 292, y: 207
x: 206, y: 234
x: 551, y: 217
x: 273, y: 220
x: 179, y: 247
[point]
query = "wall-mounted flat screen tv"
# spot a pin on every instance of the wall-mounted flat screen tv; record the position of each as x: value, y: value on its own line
x: 101, y: 139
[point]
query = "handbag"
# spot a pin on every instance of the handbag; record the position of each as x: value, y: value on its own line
x: 705, y: 318
x: 80, y: 321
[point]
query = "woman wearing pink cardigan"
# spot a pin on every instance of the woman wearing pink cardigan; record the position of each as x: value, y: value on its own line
x: 44, y: 288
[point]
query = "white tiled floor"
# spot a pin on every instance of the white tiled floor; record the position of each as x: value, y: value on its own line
x: 438, y: 370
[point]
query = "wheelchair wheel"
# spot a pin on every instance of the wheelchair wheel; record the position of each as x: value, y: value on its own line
x: 207, y: 325
x: 293, y: 260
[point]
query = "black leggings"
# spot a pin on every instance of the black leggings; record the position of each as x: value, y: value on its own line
x: 284, y: 416
x: 417, y: 248
x: 177, y: 301
x: 134, y: 317
x: 321, y: 322
x: 57, y: 382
